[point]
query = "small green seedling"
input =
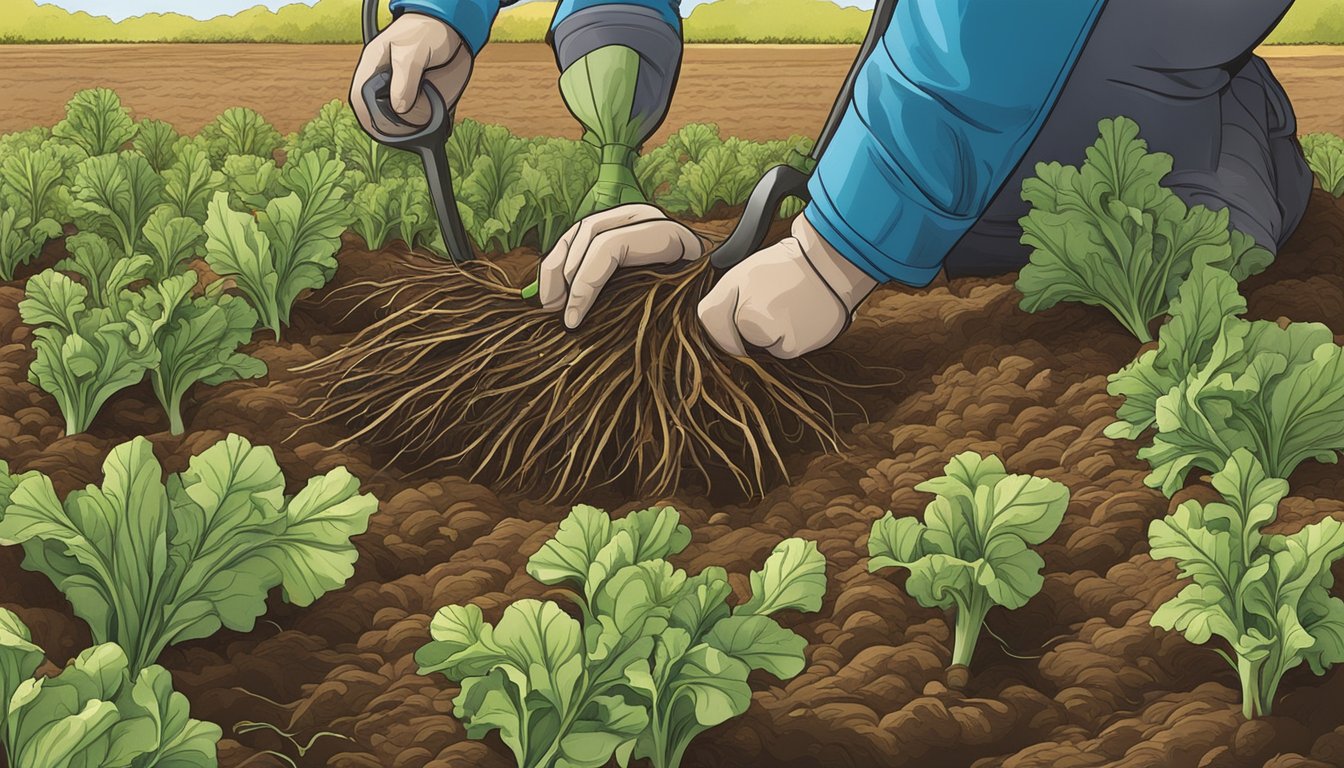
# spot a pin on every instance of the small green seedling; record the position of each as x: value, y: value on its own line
x: 971, y: 552
x: 1267, y: 596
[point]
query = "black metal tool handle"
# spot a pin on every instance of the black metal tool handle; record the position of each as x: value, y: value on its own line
x: 782, y: 181
x: 777, y: 183
x: 377, y: 93
x: 426, y: 140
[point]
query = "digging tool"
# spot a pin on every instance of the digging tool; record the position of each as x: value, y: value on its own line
x: 427, y: 141
x: 783, y: 180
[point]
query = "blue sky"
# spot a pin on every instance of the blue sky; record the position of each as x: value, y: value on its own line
x: 204, y: 9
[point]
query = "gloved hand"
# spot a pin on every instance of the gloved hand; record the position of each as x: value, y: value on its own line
x: 789, y: 299
x: 418, y: 49
x: 586, y: 256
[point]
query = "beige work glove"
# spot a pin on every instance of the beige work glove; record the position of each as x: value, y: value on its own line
x: 587, y: 255
x: 419, y: 49
x: 789, y: 299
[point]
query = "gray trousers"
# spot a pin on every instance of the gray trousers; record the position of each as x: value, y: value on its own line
x: 1185, y: 72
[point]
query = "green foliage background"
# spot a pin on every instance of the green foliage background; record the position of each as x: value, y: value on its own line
x: 336, y: 21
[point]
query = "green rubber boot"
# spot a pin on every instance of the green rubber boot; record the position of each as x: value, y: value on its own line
x: 599, y: 90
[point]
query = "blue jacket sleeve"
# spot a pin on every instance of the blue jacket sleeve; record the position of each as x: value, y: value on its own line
x: 471, y: 18
x: 942, y: 112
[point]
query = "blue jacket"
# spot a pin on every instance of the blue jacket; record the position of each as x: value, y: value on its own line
x: 942, y: 113
x: 473, y: 18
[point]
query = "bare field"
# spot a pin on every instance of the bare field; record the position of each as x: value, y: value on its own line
x: 756, y: 92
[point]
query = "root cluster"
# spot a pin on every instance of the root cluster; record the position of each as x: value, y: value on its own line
x: 456, y: 369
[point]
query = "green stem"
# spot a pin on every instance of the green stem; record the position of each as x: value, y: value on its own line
x: 1270, y: 677
x: 77, y: 420
x: 1134, y: 324
x: 970, y: 618
x: 175, y: 425
x: 657, y: 719
x: 1249, y: 673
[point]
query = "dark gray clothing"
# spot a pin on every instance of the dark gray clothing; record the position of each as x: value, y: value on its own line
x: 1185, y: 71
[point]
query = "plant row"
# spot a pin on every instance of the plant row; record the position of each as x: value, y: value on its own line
x: 1325, y: 156
x: 649, y: 656
x: 148, y: 564
x: 1246, y: 400
x: 137, y: 203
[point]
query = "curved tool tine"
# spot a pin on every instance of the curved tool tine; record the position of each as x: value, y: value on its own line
x: 435, y: 160
x: 777, y: 183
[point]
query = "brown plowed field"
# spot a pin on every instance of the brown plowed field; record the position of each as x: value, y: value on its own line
x: 1080, y: 678
x: 755, y: 91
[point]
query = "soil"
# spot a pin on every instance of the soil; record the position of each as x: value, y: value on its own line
x: 755, y: 92
x: 1079, y: 678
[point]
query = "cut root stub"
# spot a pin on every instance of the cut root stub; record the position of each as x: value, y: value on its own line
x: 456, y: 369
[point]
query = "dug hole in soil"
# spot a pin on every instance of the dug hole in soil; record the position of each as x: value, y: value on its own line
x: 1079, y: 679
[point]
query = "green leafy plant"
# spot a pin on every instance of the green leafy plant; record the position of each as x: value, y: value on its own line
x: 190, y: 182
x: 555, y: 178
x: 375, y: 160
x: 96, y: 712
x: 1267, y: 596
x: 114, y: 196
x: 1325, y: 155
x: 96, y: 122
x: 1185, y: 341
x: 659, y: 170
x: 35, y: 181
x: 692, y: 141
x: 972, y: 550
x: 1277, y: 391
x: 172, y: 241
x: 104, y: 271
x: 198, y: 341
x: 21, y: 240
x: 1217, y: 383
x: 321, y: 132
x: 698, y: 676
x: 239, y: 131
x: 1109, y: 234
x: 289, y: 247
x: 718, y: 176
x: 84, y: 353
x: 33, y: 138
x: 655, y: 659
x: 489, y: 199
x: 405, y: 211
x: 464, y: 145
x: 251, y: 181
x: 374, y: 214
x: 34, y: 200
x: 158, y: 142
x: 147, y: 565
